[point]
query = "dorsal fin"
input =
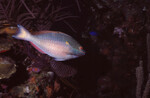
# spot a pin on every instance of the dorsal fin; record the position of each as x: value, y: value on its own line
x: 44, y: 32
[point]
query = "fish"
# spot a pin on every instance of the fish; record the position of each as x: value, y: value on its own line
x: 62, y: 70
x: 6, y: 27
x: 56, y: 44
x: 10, y: 30
x: 93, y: 33
x: 33, y: 69
x: 5, y: 45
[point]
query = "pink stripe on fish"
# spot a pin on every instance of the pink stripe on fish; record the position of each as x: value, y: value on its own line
x: 37, y: 48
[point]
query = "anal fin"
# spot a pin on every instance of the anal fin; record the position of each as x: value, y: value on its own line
x: 56, y: 59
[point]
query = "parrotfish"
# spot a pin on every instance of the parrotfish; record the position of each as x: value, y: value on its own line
x: 56, y: 44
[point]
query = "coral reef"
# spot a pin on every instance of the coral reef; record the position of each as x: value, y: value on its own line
x: 114, y: 33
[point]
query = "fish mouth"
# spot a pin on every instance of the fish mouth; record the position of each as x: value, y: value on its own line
x: 78, y: 54
x: 82, y: 52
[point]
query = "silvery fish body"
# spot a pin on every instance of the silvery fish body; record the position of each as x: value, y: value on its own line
x: 56, y: 44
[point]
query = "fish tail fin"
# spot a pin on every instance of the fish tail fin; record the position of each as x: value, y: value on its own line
x: 22, y: 33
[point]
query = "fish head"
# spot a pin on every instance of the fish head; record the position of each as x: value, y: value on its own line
x: 82, y: 51
x: 78, y: 51
x: 72, y: 54
x: 75, y: 50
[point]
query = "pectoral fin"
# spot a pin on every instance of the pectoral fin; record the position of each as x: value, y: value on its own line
x: 57, y: 59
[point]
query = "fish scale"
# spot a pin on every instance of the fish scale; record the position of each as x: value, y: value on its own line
x: 56, y: 44
x: 62, y: 70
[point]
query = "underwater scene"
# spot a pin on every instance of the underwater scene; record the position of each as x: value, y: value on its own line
x: 74, y: 49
